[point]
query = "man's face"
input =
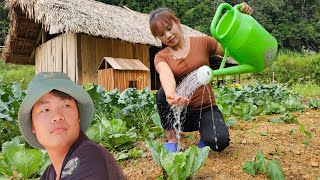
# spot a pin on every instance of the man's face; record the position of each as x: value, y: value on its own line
x: 55, y: 121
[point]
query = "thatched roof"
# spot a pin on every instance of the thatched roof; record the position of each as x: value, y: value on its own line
x: 27, y: 17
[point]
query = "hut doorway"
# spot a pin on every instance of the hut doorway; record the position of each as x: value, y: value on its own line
x: 155, y: 81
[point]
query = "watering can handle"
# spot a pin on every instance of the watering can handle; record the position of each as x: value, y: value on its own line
x: 238, y: 6
x: 216, y: 18
x: 226, y: 54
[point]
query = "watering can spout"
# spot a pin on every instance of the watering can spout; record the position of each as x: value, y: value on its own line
x: 205, y: 74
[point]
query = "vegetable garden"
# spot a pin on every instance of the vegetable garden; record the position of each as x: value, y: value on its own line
x: 274, y: 134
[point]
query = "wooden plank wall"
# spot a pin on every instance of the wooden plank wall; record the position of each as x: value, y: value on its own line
x: 122, y: 78
x: 107, y: 78
x: 142, y: 52
x: 93, y: 49
x: 61, y: 54
x: 58, y: 55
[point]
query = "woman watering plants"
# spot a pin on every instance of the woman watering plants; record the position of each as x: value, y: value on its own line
x: 182, y: 56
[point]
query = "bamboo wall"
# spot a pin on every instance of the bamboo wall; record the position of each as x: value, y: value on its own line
x: 92, y: 50
x: 79, y: 56
x: 58, y: 55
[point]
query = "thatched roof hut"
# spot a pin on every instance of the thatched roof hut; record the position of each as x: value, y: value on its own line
x: 28, y: 17
x: 74, y: 36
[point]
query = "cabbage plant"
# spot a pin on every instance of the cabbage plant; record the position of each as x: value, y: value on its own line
x: 180, y: 165
x: 20, y: 162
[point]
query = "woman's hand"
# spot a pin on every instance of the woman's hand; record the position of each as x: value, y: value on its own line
x: 177, y: 100
x: 246, y: 9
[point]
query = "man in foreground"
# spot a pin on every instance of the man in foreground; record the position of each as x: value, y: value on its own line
x: 54, y: 116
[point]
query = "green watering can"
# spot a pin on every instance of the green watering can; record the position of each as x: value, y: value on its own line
x: 243, y: 39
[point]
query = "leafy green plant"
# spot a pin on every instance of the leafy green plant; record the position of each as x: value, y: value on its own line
x: 113, y: 134
x: 136, y: 107
x: 259, y: 165
x: 314, y: 103
x: 231, y: 121
x: 139, y: 111
x: 11, y: 96
x: 258, y: 99
x: 294, y: 104
x: 180, y: 165
x: 308, y: 134
x: 284, y: 119
x: 105, y: 103
x: 274, y: 170
x: 16, y: 160
x: 130, y: 154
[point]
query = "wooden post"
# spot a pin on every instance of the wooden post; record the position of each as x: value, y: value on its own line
x: 272, y: 77
x: 44, y: 36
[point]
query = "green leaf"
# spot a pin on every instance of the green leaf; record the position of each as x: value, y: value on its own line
x: 277, y: 108
x: 95, y: 132
x: 155, y: 148
x: 27, y: 161
x: 3, y: 106
x: 121, y: 156
x: 256, y: 110
x: 4, y: 167
x: 276, y: 120
x: 130, y: 109
x: 10, y: 148
x: 178, y: 165
x: 274, y: 170
x: 24, y: 161
x: 314, y: 102
x: 156, y: 119
x: 166, y: 160
x: 201, y: 155
x: 230, y: 122
x: 249, y: 168
x: 242, y: 109
x: 260, y: 163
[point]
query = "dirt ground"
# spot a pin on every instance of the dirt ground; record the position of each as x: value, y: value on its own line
x: 284, y: 142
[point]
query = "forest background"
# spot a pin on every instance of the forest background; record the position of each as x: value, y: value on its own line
x: 294, y: 23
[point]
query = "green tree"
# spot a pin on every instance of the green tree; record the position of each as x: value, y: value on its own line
x: 294, y: 23
x: 3, y: 23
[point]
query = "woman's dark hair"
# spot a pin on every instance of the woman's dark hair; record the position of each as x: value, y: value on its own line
x: 159, y: 18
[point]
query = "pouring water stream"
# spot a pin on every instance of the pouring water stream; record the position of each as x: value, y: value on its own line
x: 186, y: 88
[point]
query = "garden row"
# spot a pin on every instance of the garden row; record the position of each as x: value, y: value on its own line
x: 121, y: 119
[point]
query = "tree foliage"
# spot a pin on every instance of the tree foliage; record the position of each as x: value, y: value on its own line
x: 4, y: 23
x: 294, y: 23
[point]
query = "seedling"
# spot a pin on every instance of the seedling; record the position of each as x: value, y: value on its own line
x: 291, y: 131
x: 235, y: 154
x: 308, y: 134
x: 284, y: 119
x: 259, y: 165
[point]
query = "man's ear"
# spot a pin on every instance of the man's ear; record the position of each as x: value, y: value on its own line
x: 32, y: 128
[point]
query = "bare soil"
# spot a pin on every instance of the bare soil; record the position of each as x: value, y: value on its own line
x: 283, y: 142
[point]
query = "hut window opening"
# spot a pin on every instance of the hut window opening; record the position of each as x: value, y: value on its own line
x: 132, y: 84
